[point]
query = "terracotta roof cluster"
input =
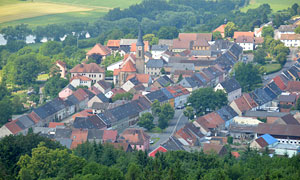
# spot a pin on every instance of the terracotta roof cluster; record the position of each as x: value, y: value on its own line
x: 177, y: 90
x: 289, y: 130
x: 54, y: 124
x: 113, y: 43
x: 128, y: 67
x: 99, y: 49
x: 87, y: 68
x: 78, y: 136
x: 293, y: 86
x: 81, y: 78
x: 237, y: 34
x: 221, y: 28
x: 135, y: 136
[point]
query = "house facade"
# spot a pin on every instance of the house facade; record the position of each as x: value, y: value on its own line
x: 92, y: 71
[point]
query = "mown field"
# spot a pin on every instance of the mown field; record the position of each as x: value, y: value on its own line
x: 43, y: 12
x: 276, y: 5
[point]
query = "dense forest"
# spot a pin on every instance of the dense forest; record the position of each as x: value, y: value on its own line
x: 34, y: 157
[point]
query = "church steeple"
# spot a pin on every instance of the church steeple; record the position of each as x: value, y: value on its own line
x: 140, y: 53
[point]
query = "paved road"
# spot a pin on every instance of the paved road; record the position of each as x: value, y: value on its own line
x: 175, y: 124
x: 290, y: 62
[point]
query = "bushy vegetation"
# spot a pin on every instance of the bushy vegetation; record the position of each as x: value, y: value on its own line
x: 34, y: 157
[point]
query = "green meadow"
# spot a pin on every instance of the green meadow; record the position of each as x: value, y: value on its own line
x: 276, y: 5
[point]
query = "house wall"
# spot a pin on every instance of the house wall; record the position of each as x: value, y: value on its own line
x: 65, y: 93
x: 62, y: 71
x: 181, y: 100
x: 101, y: 89
x: 114, y: 66
x: 156, y: 54
x: 289, y: 152
x: 291, y: 43
x: 255, y: 145
x: 153, y: 71
x: 234, y: 95
x: 127, y: 86
x: 94, y: 76
x: 78, y: 82
x: 4, y: 131
x: 94, y: 99
x: 235, y: 108
x: 247, y: 46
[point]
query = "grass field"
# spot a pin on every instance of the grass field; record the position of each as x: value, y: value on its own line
x: 43, y: 12
x: 276, y: 5
x: 271, y: 68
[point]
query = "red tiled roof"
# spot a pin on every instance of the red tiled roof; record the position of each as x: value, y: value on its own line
x: 135, y: 136
x: 94, y: 90
x: 87, y: 68
x: 259, y: 40
x: 128, y: 67
x: 242, y: 104
x: 117, y: 91
x: 110, y: 135
x: 80, y: 94
x: 34, y: 117
x: 205, y: 124
x: 113, y: 43
x: 293, y: 86
x: 63, y: 64
x: 159, y: 149
x: 195, y: 36
x: 142, y: 78
x: 279, y: 82
x: 221, y: 28
x: 208, y: 147
x: 181, y: 44
x: 78, y: 136
x: 54, y: 124
x: 261, y: 142
x: 245, y: 39
x: 99, y: 49
x: 83, y: 113
x: 13, y: 127
x: 82, y: 78
x: 177, y: 90
x: 235, y: 154
x: 290, y: 37
x: 237, y: 34
x: 133, y: 46
x: 116, y: 72
x: 250, y: 101
x: 214, y: 118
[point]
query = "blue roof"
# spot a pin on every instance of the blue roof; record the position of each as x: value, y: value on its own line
x: 167, y: 93
x: 269, y: 139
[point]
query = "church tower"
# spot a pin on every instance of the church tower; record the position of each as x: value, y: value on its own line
x: 140, y: 54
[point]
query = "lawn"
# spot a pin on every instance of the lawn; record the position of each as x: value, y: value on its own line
x: 43, y: 77
x: 276, y: 5
x: 43, y: 12
x: 271, y: 68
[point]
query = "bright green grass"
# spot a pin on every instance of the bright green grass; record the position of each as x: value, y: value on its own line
x: 271, y: 68
x: 43, y: 77
x: 276, y: 5
x: 86, y: 16
x: 101, y: 3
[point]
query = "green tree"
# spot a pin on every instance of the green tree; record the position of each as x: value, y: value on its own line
x: 155, y: 107
x: 217, y: 35
x: 122, y: 96
x: 179, y: 78
x: 146, y: 121
x: 281, y: 58
x: 50, y: 48
x: 248, y: 75
x: 260, y: 56
x: 54, y: 85
x: 229, y: 29
x: 151, y: 39
x: 294, y: 9
x: 168, y: 32
x: 268, y: 31
x: 189, y: 112
x: 6, y: 110
x: 163, y: 71
x: 298, y: 104
x: 134, y: 172
x: 166, y: 113
x: 297, y: 30
x: 206, y: 100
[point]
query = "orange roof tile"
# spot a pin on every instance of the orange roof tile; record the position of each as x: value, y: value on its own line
x: 87, y: 68
x: 34, y: 117
x: 82, y: 78
x: 235, y: 154
x: 116, y: 72
x: 133, y: 46
x: 221, y: 28
x: 54, y: 124
x: 83, y: 113
x: 242, y: 104
x: 237, y: 34
x: 128, y: 67
x: 159, y: 149
x: 250, y: 100
x: 78, y: 136
x: 293, y: 86
x: 99, y: 49
x: 113, y: 43
x: 214, y: 118
x: 110, y: 135
x: 142, y: 78
x: 279, y: 82
x: 13, y: 127
x: 135, y: 136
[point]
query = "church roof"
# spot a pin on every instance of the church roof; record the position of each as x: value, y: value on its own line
x: 140, y: 41
x: 128, y: 67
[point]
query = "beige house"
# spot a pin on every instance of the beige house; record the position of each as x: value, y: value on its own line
x: 100, y: 98
x: 62, y: 68
x: 92, y: 71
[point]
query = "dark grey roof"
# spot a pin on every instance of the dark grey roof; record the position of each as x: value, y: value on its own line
x: 260, y: 96
x: 95, y: 134
x: 159, y: 95
x: 99, y: 106
x: 221, y: 44
x: 63, y: 133
x: 164, y: 80
x: 168, y: 42
x: 236, y: 50
x: 227, y: 113
x: 188, y: 82
x: 64, y: 142
x: 173, y: 144
x: 24, y: 122
x: 230, y: 85
x: 287, y: 28
x: 83, y: 123
x: 201, y: 53
x: 97, y: 122
x: 274, y: 88
x: 73, y: 99
x: 105, y: 85
x: 155, y: 63
x: 204, y: 63
x: 124, y: 111
x: 199, y: 77
x: 70, y: 87
x: 126, y: 49
x: 263, y: 114
x: 49, y: 108
x: 134, y: 81
x: 289, y: 119
x: 294, y: 71
x: 287, y: 98
x: 107, y: 117
x: 103, y: 98
x: 270, y: 92
x: 287, y: 75
x: 182, y: 66
x: 159, y: 47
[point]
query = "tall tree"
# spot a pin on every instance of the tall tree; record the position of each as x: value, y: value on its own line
x: 268, y: 31
x: 146, y: 121
x: 229, y: 29
x: 54, y: 85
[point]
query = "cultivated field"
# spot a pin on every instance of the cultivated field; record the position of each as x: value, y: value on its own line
x: 276, y: 5
x: 43, y: 12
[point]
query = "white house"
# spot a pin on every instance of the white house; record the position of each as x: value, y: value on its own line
x: 290, y: 40
x: 158, y: 50
x: 246, y: 42
x: 81, y: 81
x: 92, y: 71
x: 115, y: 65
x: 285, y: 29
x: 231, y: 87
